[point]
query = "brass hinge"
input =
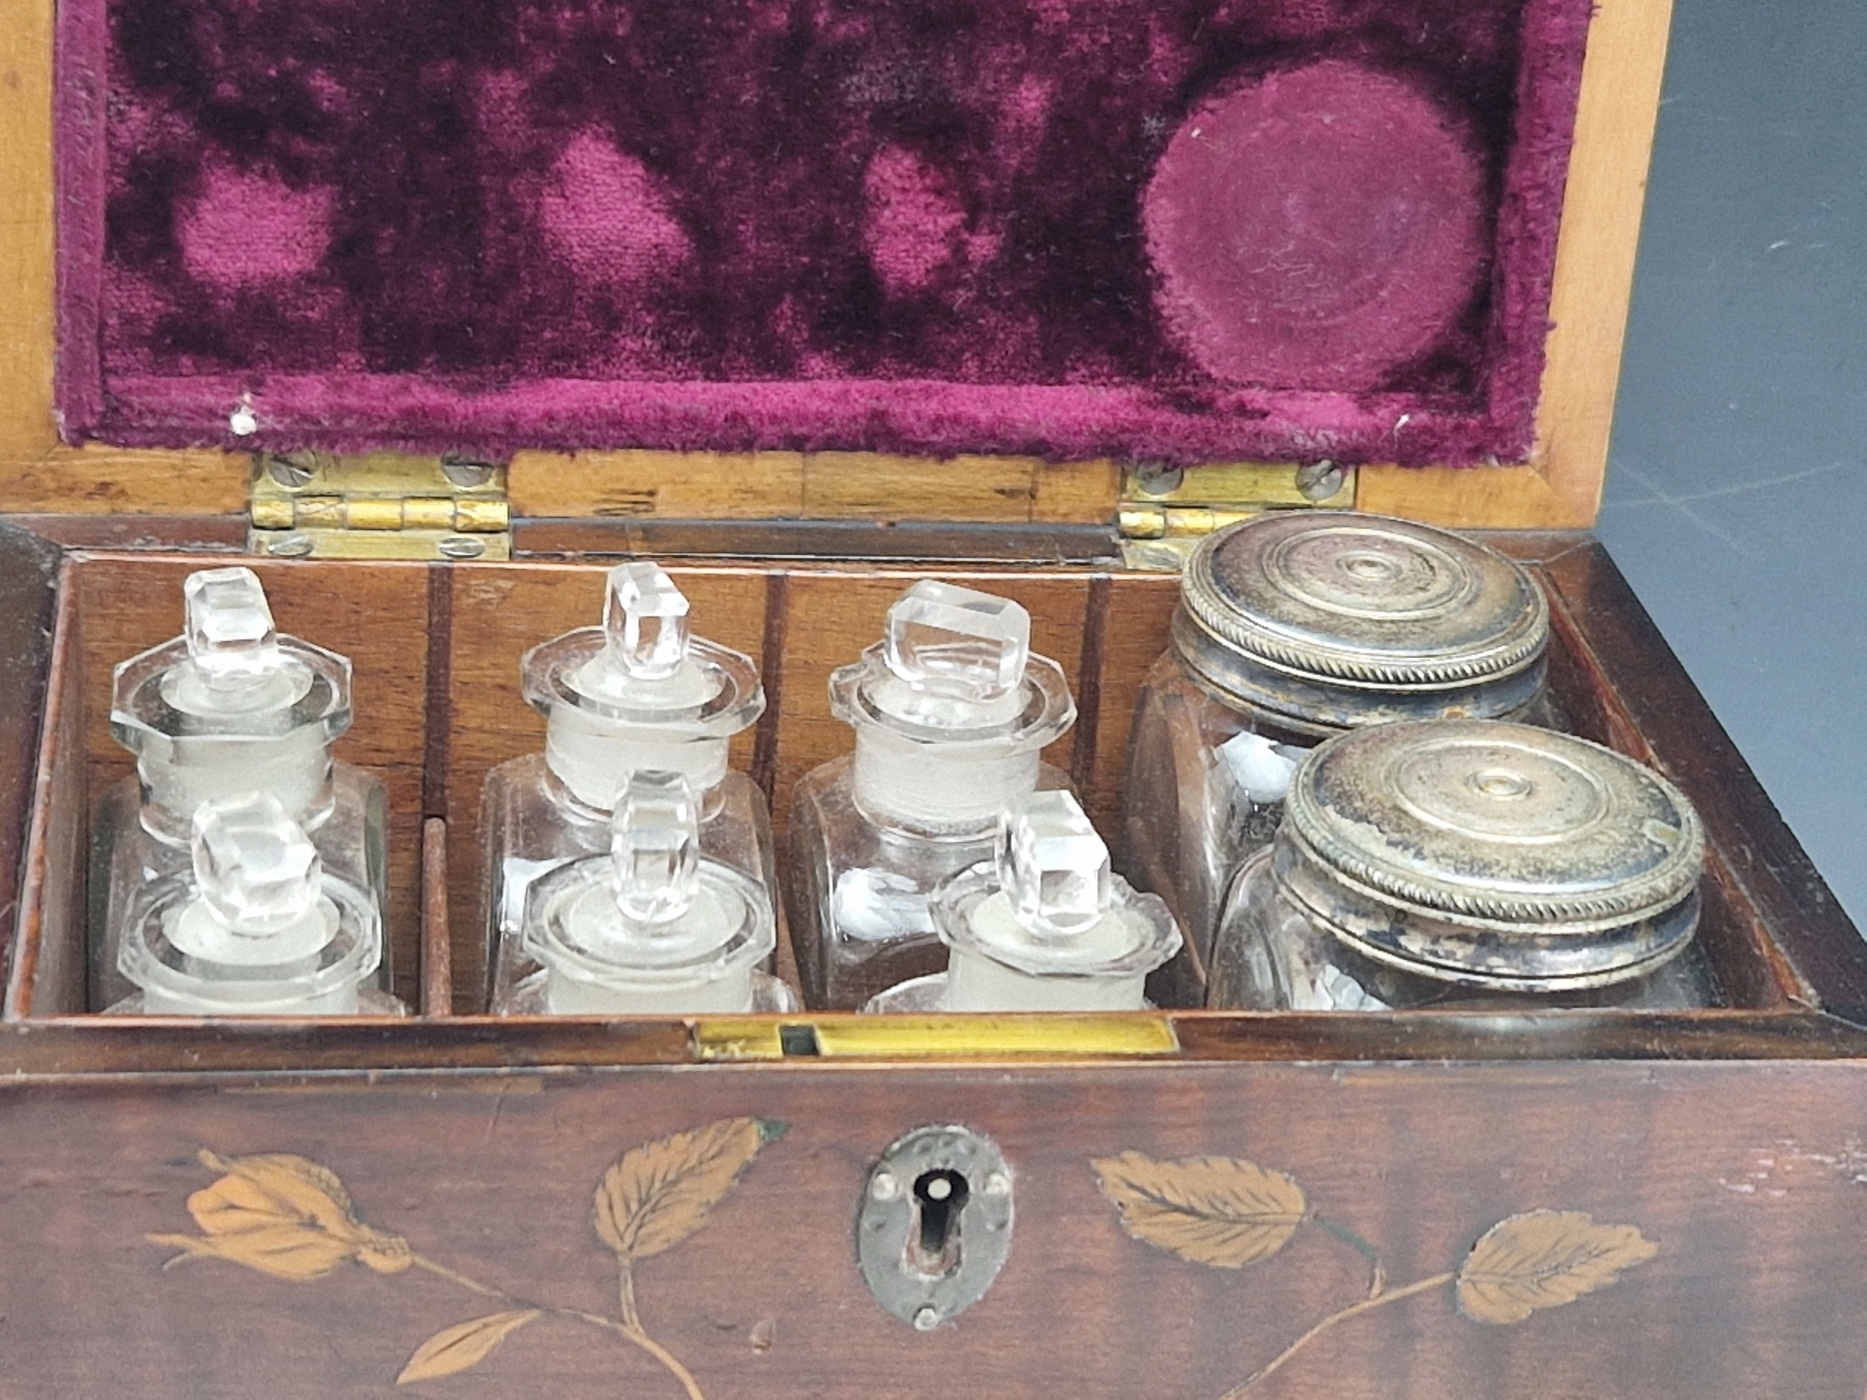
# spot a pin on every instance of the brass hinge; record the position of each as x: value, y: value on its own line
x: 1164, y: 512
x: 378, y: 505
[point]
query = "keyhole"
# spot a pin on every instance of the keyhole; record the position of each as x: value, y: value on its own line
x: 939, y: 1196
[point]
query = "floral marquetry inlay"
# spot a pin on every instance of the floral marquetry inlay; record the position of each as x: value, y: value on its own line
x: 1226, y: 1213
x: 291, y: 1218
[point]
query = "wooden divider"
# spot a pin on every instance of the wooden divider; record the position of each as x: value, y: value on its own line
x: 435, y: 654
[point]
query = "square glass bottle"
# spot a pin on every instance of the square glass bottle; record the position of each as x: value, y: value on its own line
x: 950, y: 710
x: 640, y: 693
x: 228, y: 707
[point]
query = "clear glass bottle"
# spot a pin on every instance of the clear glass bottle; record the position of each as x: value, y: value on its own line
x: 1464, y: 863
x: 1293, y: 627
x: 258, y: 926
x: 230, y: 706
x: 1044, y: 926
x: 652, y: 928
x: 950, y: 711
x: 638, y: 693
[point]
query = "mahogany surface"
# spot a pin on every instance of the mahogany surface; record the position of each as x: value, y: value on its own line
x: 1727, y: 1141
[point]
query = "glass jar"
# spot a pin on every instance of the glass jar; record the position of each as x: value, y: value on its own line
x: 1293, y: 627
x: 1464, y: 863
x: 639, y: 693
x: 256, y: 927
x: 651, y: 928
x: 950, y: 711
x: 228, y: 707
x: 1045, y: 926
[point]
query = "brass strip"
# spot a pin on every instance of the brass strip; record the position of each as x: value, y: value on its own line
x: 933, y: 1037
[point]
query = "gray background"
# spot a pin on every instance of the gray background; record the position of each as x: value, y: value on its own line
x: 1736, y: 496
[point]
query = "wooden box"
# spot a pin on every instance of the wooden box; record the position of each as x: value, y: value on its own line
x: 1198, y: 1204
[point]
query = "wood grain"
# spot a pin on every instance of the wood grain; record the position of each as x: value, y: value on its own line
x: 814, y: 486
x: 47, y: 970
x: 492, y: 1177
x: 1595, y: 250
x: 28, y: 570
x: 1135, y: 636
x: 437, y: 961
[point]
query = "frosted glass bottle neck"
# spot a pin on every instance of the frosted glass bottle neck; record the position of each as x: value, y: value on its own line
x: 296, y: 768
x: 569, y: 996
x: 1045, y: 925
x: 593, y: 757
x: 978, y: 983
x: 937, y: 790
x: 343, y: 1001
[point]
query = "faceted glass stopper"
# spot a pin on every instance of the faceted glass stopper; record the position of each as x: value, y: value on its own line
x: 654, y: 843
x: 257, y: 870
x: 645, y: 619
x: 957, y: 641
x: 1053, y: 865
x: 230, y: 635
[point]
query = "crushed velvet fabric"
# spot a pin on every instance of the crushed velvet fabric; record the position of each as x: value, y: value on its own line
x: 1155, y: 229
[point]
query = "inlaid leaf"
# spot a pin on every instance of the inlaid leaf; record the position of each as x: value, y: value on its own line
x: 285, y: 1216
x: 659, y: 1193
x: 453, y: 1349
x: 1543, y: 1260
x: 1219, y: 1211
x: 262, y: 1190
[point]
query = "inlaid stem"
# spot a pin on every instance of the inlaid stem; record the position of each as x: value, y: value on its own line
x: 1380, y: 1300
x: 629, y: 1328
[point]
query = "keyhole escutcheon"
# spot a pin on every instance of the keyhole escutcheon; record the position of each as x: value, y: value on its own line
x: 935, y: 1224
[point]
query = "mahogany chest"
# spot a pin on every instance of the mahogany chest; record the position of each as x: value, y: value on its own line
x: 1185, y: 1204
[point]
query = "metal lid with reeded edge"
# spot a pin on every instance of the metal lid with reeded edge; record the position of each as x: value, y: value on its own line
x: 1288, y: 605
x: 1493, y: 854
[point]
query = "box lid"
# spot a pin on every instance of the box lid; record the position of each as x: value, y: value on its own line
x: 993, y: 236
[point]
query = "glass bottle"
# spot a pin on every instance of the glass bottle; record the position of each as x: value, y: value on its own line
x: 258, y: 926
x: 653, y: 927
x: 1465, y: 863
x: 1292, y: 627
x: 1044, y: 926
x: 229, y: 706
x: 950, y: 711
x: 638, y: 693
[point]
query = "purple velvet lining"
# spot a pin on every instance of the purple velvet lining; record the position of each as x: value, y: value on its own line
x: 912, y: 225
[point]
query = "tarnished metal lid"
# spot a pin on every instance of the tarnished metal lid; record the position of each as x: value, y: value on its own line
x: 1338, y: 599
x: 1493, y: 853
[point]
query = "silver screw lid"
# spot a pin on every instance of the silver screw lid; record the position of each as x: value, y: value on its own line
x: 1495, y: 854
x: 1333, y: 600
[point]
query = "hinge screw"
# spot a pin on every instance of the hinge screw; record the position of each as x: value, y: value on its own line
x: 293, y: 546
x: 465, y: 471
x: 461, y: 547
x: 289, y: 470
x: 1158, y: 478
x: 1318, y: 481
